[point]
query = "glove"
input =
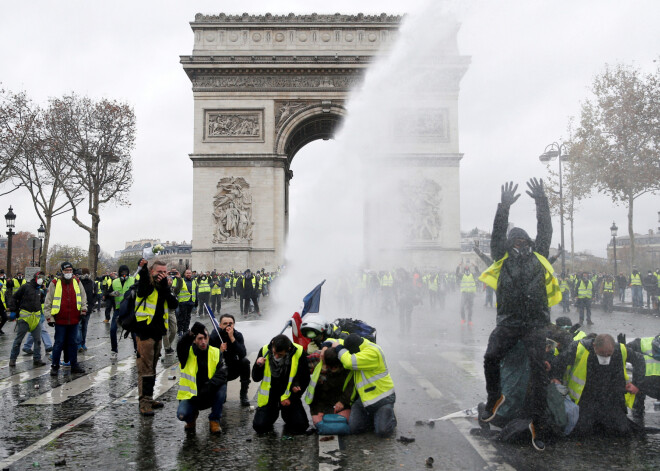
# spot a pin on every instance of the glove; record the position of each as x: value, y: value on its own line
x: 114, y: 293
x: 536, y: 188
x: 621, y: 338
x: 12, y: 316
x: 574, y: 328
x: 509, y: 194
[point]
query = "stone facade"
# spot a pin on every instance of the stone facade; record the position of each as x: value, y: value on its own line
x: 266, y: 85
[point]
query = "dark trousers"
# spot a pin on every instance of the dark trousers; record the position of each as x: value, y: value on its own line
x: 378, y: 417
x: 109, y: 306
x: 183, y: 316
x: 65, y: 339
x: 501, y: 341
x: 3, y: 317
x: 246, y: 303
x: 293, y: 415
x: 608, y: 302
x: 566, y: 301
x: 202, y: 298
x: 189, y: 408
x: 582, y: 305
x: 601, y: 419
x: 467, y: 301
x: 216, y: 303
x: 236, y: 369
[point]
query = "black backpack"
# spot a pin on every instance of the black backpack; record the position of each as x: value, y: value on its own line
x: 126, y: 317
x: 356, y: 326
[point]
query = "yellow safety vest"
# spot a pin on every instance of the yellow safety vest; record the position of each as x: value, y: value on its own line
x: 492, y: 274
x: 433, y: 283
x: 608, y: 287
x: 204, y: 286
x: 184, y: 294
x: 388, y: 280
x: 264, y: 388
x: 261, y: 283
x: 585, y: 291
x: 3, y: 290
x: 254, y: 282
x: 188, y: 380
x: 146, y: 310
x: 563, y: 286
x: 32, y: 318
x: 467, y: 284
x: 57, y: 297
x: 216, y: 289
x: 635, y: 280
x: 228, y: 283
x: 652, y: 365
x: 578, y: 374
x: 372, y: 378
x: 117, y: 286
x: 309, y: 393
x: 99, y: 290
x: 234, y: 281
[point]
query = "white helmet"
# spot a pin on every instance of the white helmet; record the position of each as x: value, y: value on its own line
x: 312, y: 326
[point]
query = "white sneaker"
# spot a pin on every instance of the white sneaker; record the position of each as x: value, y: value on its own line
x: 113, y: 356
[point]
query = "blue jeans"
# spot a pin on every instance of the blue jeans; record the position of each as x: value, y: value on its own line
x: 637, y: 296
x: 23, y: 328
x: 188, y: 408
x: 65, y: 337
x: 379, y: 417
x: 113, y: 331
x: 82, y: 330
x: 45, y: 337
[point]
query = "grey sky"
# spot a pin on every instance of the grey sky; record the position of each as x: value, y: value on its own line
x: 532, y: 63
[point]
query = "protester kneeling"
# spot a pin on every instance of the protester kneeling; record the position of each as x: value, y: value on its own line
x: 329, y: 394
x: 281, y: 366
x: 203, y: 382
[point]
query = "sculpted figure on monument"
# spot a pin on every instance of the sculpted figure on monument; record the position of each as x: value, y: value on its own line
x: 221, y: 125
x: 232, y: 211
x: 421, y: 206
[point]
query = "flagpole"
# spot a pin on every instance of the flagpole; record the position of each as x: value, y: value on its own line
x: 215, y: 326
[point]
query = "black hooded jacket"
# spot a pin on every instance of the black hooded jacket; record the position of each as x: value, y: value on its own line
x: 521, y: 295
x: 29, y: 297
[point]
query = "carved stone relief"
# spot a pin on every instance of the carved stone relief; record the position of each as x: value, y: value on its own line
x: 232, y: 211
x: 234, y: 125
x: 420, y: 208
x: 220, y: 82
x: 284, y: 109
x: 423, y: 123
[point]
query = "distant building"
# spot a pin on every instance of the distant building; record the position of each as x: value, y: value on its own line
x: 136, y: 248
x: 647, y: 252
x: 3, y: 242
x: 176, y: 255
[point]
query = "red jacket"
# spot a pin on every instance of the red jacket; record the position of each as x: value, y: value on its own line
x: 69, y: 314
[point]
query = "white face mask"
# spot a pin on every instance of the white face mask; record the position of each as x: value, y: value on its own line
x: 603, y: 360
x: 40, y: 281
x: 68, y: 276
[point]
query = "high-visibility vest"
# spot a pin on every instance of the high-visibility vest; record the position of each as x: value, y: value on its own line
x: 264, y: 387
x: 492, y: 274
x: 216, y: 289
x: 204, y: 286
x: 635, y: 280
x: 608, y: 287
x: 578, y: 374
x: 387, y: 280
x: 57, y: 297
x: 32, y: 318
x: 563, y: 286
x: 184, y: 294
x: 234, y: 281
x: 311, y: 388
x: 254, y: 282
x: 585, y: 291
x: 261, y: 283
x: 147, y: 309
x: 228, y: 283
x: 99, y: 290
x: 652, y: 365
x: 108, y: 282
x: 467, y: 284
x: 188, y: 379
x: 3, y: 290
x: 433, y: 283
x: 370, y: 374
x: 117, y: 286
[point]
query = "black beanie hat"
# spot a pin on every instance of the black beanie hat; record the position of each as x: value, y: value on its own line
x: 198, y: 328
x: 353, y: 342
x: 66, y: 265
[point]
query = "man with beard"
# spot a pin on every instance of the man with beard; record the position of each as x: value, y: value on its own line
x: 526, y: 288
x: 232, y: 346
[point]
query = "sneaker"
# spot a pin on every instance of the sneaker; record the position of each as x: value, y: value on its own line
x: 80, y: 350
x: 462, y: 321
x: 470, y: 323
x: 491, y: 411
x: 113, y: 356
x: 50, y: 357
x: 49, y: 349
x: 27, y: 352
x: 84, y: 347
x: 536, y: 443
x: 589, y: 322
x: 105, y: 321
x: 65, y: 364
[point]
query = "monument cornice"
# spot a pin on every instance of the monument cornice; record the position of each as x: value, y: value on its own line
x: 291, y: 18
x: 239, y: 160
x: 334, y: 60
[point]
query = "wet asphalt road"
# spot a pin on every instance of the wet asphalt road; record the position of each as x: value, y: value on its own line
x: 437, y: 370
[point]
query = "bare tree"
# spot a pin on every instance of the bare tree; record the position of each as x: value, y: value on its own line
x: 17, y: 118
x: 619, y: 137
x: 96, y: 139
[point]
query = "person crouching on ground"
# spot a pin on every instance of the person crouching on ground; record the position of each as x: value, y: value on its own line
x: 203, y: 382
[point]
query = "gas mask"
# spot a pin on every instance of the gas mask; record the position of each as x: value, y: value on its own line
x: 603, y: 360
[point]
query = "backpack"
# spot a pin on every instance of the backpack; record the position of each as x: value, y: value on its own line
x: 356, y: 326
x: 126, y: 317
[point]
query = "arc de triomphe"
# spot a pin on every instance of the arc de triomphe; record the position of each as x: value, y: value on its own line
x: 263, y: 87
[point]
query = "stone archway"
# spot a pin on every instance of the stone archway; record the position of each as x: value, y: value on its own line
x: 263, y: 87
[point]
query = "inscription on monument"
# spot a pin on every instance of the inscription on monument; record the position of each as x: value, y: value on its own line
x: 232, y: 211
x: 234, y: 125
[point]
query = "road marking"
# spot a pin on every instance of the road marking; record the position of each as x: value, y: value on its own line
x: 23, y: 358
x: 73, y: 388
x: 431, y: 390
x: 328, y: 453
x: 19, y: 378
x: 487, y: 451
x: 458, y: 359
x: 234, y: 387
x: 50, y: 437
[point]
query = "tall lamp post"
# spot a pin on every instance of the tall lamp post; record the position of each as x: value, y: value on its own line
x: 554, y: 151
x: 42, y: 234
x: 613, y: 230
x: 10, y: 218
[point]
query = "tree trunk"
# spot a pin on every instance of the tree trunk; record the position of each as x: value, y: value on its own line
x: 46, y: 242
x: 92, y: 255
x: 631, y: 233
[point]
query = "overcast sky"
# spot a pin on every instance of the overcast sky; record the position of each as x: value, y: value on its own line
x: 532, y: 64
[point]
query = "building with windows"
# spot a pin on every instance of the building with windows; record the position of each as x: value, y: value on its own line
x: 647, y: 252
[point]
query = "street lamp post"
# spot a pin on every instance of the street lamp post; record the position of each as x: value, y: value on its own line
x: 554, y: 151
x: 42, y: 234
x: 613, y: 230
x: 10, y: 218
